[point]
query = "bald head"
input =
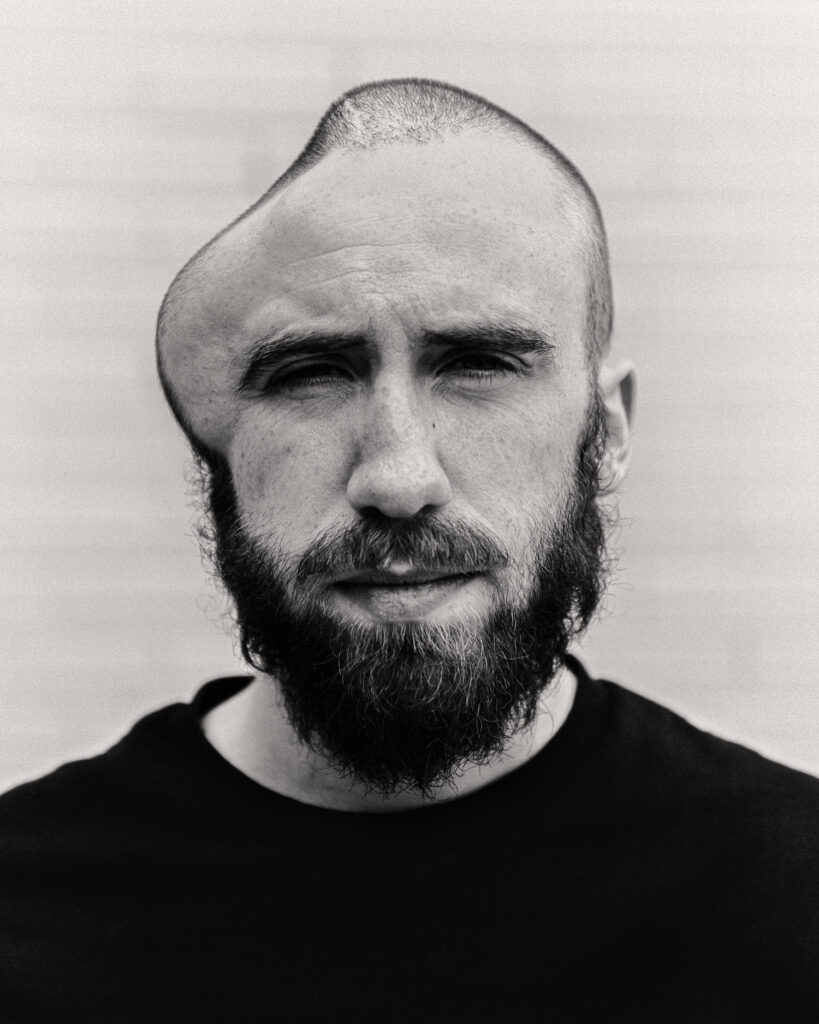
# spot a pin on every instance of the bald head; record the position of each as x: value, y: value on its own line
x: 407, y: 116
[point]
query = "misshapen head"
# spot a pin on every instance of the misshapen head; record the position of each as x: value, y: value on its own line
x: 452, y: 182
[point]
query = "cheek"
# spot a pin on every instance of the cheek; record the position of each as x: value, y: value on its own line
x: 285, y: 486
x: 514, y: 465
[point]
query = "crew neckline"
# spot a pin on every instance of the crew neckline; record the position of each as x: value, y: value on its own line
x: 586, y: 708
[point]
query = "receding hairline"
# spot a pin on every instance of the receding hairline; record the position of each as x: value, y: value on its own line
x: 416, y: 111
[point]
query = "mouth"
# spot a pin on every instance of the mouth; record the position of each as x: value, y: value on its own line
x: 400, y: 577
x: 402, y: 593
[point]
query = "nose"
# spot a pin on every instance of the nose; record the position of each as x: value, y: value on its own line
x: 398, y: 472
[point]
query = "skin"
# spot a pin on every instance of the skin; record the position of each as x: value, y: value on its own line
x: 421, y: 259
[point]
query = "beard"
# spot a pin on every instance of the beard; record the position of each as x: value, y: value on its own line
x: 409, y: 705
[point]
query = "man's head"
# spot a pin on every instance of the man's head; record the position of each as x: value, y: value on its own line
x: 391, y: 365
x: 415, y: 114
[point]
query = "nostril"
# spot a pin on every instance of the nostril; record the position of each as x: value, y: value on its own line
x: 399, y: 487
x: 378, y: 517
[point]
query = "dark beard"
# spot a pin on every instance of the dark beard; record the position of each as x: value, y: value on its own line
x: 408, y: 705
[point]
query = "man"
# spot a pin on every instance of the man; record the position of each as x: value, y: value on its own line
x: 393, y: 372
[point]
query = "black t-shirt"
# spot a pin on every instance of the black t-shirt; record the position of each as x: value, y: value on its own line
x: 637, y: 869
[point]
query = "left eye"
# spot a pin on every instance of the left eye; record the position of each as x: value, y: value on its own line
x: 306, y: 376
x: 479, y: 366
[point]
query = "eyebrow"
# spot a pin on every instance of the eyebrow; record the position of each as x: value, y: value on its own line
x: 480, y: 336
x: 483, y: 335
x: 268, y: 350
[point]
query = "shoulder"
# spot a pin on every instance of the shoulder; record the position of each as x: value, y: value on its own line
x: 646, y: 734
x: 113, y: 792
x: 733, y: 833
x: 719, y: 808
x: 652, y: 764
x: 698, y: 759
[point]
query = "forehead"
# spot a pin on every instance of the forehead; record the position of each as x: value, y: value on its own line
x: 404, y: 239
x: 481, y: 215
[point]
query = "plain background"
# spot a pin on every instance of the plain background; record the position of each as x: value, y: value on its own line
x: 133, y: 131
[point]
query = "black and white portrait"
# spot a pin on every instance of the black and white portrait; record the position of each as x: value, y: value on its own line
x: 409, y: 531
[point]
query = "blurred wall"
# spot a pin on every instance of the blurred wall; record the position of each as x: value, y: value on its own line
x: 132, y: 132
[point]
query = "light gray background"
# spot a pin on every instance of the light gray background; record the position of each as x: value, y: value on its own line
x: 133, y: 131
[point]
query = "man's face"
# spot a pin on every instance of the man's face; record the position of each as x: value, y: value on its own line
x: 389, y: 359
x: 400, y: 332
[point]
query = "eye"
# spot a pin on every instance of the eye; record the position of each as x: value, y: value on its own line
x: 481, y: 367
x: 305, y: 377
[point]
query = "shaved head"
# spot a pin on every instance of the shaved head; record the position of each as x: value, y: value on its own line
x: 404, y: 113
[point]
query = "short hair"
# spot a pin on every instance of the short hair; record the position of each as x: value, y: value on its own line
x: 419, y: 111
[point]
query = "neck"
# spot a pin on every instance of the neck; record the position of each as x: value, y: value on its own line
x: 252, y: 732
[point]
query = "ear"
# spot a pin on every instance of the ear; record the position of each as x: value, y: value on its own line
x: 615, y: 386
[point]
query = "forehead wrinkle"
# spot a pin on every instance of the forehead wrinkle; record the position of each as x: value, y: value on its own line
x: 349, y: 247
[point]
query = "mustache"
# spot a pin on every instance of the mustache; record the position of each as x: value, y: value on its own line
x: 450, y: 545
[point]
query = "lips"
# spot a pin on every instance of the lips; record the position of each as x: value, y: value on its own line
x: 405, y: 593
x: 410, y: 578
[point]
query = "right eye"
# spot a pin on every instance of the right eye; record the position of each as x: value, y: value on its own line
x: 306, y: 377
